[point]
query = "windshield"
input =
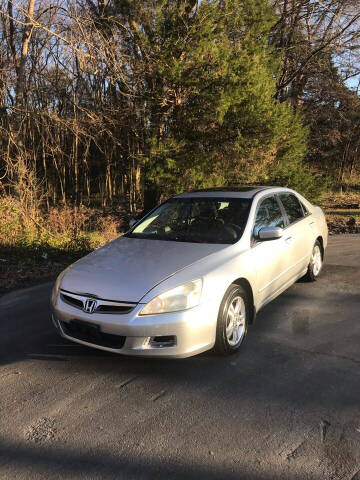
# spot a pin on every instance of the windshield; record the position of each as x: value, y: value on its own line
x: 196, y: 219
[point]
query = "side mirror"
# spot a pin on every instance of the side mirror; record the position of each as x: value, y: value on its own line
x: 270, y: 233
x: 132, y: 222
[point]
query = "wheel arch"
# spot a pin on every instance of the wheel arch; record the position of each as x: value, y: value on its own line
x: 243, y: 282
x: 321, y: 241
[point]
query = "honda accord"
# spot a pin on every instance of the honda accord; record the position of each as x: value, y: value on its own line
x: 191, y: 274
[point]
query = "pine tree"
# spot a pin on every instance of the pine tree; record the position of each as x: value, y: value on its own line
x: 204, y: 80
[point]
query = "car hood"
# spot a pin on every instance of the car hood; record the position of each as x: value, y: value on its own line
x: 127, y: 268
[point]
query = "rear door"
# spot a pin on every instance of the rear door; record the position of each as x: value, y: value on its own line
x: 298, y: 234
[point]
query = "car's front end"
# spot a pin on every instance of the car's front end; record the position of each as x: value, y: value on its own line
x: 179, y: 328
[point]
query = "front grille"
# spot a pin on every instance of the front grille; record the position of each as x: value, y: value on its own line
x: 103, y: 306
x: 91, y: 333
x: 72, y: 301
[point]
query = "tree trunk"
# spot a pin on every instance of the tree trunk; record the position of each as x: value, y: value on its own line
x: 28, y: 28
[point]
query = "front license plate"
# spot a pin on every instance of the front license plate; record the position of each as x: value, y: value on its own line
x: 80, y: 328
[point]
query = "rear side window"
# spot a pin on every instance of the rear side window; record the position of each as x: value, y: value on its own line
x: 292, y: 206
x: 305, y: 210
x: 268, y: 215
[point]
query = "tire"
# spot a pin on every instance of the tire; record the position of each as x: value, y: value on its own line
x: 228, y: 340
x: 315, y: 264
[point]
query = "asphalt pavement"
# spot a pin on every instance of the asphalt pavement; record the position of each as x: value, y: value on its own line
x: 286, y: 407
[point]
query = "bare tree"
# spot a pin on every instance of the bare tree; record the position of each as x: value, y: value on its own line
x: 26, y: 36
x: 306, y: 32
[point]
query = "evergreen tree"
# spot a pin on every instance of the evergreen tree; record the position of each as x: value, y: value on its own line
x: 208, y: 95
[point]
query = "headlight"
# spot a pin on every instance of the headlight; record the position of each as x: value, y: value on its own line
x: 179, y: 298
x: 56, y: 288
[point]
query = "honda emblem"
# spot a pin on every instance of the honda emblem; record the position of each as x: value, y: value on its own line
x: 90, y: 305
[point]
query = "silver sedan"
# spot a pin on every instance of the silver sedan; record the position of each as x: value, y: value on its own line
x: 191, y: 275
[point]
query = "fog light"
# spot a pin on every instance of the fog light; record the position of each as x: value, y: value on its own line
x: 164, y: 341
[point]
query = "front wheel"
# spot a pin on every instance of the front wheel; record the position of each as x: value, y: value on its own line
x: 232, y: 322
x: 315, y: 264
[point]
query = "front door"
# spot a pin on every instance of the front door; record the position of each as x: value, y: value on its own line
x: 271, y: 257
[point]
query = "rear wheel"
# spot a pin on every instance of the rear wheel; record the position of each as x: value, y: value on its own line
x: 315, y: 264
x: 232, y: 321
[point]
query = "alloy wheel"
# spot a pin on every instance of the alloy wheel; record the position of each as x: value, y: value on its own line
x: 236, y: 321
x: 316, y: 260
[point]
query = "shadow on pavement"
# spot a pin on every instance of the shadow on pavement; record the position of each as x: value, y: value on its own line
x: 38, y: 460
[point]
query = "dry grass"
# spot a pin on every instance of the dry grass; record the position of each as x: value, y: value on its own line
x: 46, y: 243
x: 340, y: 218
x: 64, y: 228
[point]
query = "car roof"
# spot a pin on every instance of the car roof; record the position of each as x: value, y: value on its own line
x: 240, y: 191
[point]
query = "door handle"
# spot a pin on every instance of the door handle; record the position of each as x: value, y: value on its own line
x: 289, y: 239
x: 311, y: 224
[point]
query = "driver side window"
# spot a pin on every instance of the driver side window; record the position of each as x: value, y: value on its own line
x: 268, y: 214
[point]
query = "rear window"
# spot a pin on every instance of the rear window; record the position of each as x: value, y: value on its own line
x: 305, y: 210
x: 292, y: 206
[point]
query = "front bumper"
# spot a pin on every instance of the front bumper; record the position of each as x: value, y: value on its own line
x: 194, y: 329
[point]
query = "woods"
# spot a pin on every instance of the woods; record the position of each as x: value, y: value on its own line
x: 122, y: 102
